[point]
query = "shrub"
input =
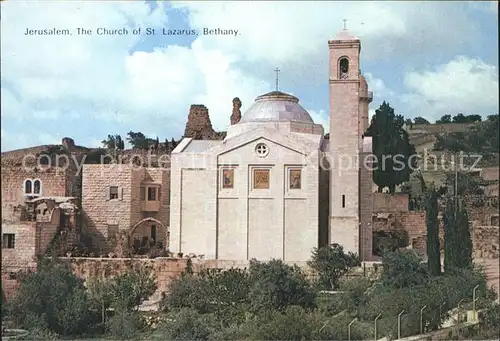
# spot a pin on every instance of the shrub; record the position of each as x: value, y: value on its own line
x: 129, y: 290
x: 52, y: 298
x: 331, y: 263
x: 275, y: 286
x: 188, y: 324
x: 125, y: 325
x: 402, y: 269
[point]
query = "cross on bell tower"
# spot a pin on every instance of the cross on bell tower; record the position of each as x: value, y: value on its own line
x: 277, y: 70
x: 345, y: 24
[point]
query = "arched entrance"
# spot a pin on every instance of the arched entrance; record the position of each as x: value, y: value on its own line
x: 148, y: 232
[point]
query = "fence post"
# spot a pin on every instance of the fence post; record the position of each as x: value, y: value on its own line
x: 474, y: 298
x: 421, y: 319
x: 441, y: 311
x: 375, y: 331
x: 399, y: 324
x: 349, y: 329
x: 458, y: 309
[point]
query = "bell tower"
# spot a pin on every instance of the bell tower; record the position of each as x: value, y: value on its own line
x: 345, y: 141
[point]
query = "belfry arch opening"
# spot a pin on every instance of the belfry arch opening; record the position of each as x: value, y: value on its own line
x: 343, y: 68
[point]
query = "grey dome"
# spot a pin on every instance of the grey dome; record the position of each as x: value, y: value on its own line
x: 276, y: 106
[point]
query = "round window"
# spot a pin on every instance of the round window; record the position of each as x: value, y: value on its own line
x: 262, y: 150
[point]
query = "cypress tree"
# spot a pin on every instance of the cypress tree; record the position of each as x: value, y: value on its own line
x: 464, y: 238
x: 457, y: 238
x: 450, y: 237
x: 433, y: 252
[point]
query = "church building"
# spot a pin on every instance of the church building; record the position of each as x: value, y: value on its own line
x: 276, y: 186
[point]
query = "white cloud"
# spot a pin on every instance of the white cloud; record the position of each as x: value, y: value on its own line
x: 320, y: 117
x: 97, y: 77
x: 462, y: 85
x: 377, y: 85
x: 280, y: 33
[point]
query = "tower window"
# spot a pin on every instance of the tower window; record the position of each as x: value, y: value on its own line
x: 344, y: 68
x: 343, y: 201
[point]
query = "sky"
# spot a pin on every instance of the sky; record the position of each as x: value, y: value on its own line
x: 425, y: 58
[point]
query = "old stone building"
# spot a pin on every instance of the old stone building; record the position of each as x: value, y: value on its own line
x: 38, y: 203
x: 260, y: 193
x: 126, y: 201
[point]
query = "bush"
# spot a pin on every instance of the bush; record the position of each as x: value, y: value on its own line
x: 402, y: 269
x: 331, y: 263
x: 129, y: 290
x: 188, y: 324
x: 53, y: 299
x: 211, y: 291
x: 275, y: 286
x: 125, y: 325
x: 228, y: 294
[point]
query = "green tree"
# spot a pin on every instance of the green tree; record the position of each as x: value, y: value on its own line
x: 130, y: 289
x: 125, y: 325
x: 433, y: 248
x: 189, y: 325
x: 457, y: 239
x: 401, y: 269
x: 395, y: 155
x: 52, y: 298
x: 138, y: 140
x: 113, y: 142
x: 331, y: 263
x: 444, y: 119
x: 100, y: 295
x: 461, y: 118
x: 276, y: 285
x: 420, y: 120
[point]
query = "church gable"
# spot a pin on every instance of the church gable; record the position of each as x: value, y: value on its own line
x: 263, y: 150
x: 294, y: 146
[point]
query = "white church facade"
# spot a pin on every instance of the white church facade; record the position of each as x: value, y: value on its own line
x: 275, y: 187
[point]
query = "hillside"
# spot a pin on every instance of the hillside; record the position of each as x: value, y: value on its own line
x: 437, y: 145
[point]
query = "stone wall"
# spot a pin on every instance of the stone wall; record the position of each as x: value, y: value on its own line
x: 443, y: 127
x: 165, y: 269
x: 485, y: 237
x: 385, y: 202
x: 22, y: 255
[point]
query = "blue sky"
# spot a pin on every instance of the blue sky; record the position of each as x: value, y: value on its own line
x: 425, y: 58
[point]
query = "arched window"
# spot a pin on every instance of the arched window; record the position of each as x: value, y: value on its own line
x: 28, y: 187
x: 343, y: 68
x: 37, y: 187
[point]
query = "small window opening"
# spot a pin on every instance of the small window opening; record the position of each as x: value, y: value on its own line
x: 343, y: 201
x: 151, y: 194
x: 113, y: 192
x: 8, y: 240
